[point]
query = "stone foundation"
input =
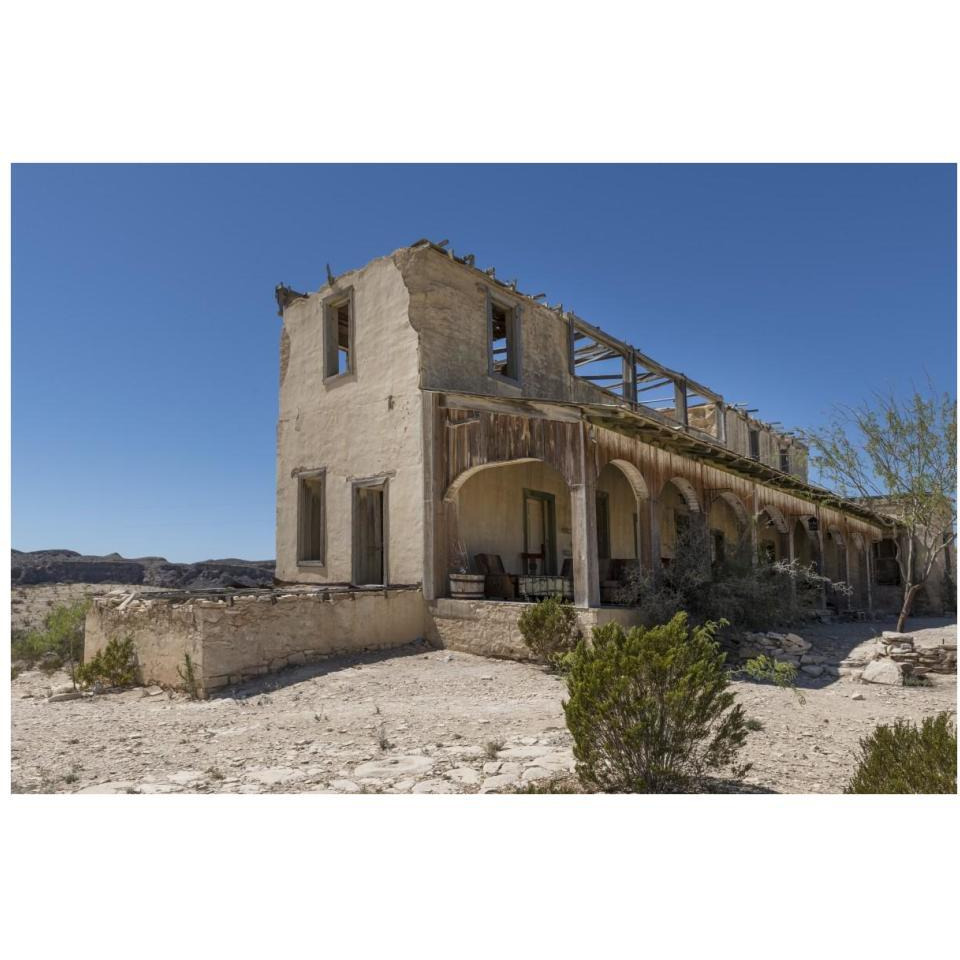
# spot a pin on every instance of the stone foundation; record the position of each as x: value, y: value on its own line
x: 488, y: 628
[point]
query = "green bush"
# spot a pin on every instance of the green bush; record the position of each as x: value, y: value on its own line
x: 751, y: 593
x: 113, y: 666
x: 550, y: 630
x: 907, y: 759
x: 59, y: 643
x: 764, y: 669
x: 649, y: 710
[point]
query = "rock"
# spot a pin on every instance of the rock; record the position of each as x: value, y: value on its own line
x: 271, y: 776
x: 892, y: 635
x: 495, y: 784
x: 811, y: 658
x: 434, y: 786
x: 797, y: 642
x: 857, y: 696
x: 491, y: 767
x: 59, y: 697
x: 344, y: 786
x: 389, y: 767
x: 812, y: 670
x: 536, y: 773
x: 112, y: 786
x: 522, y: 753
x: 465, y: 775
x: 153, y: 691
x: 186, y: 778
x: 883, y: 671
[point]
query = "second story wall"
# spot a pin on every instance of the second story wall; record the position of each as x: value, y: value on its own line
x: 448, y: 307
x: 362, y: 424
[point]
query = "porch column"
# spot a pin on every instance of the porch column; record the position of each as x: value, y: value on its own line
x: 846, y: 575
x: 867, y: 554
x: 791, y: 556
x: 656, y: 562
x: 586, y: 569
x: 583, y: 522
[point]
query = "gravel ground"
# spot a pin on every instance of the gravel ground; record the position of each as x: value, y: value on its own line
x: 419, y: 720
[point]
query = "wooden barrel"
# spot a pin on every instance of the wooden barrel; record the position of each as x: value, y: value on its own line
x: 466, y: 586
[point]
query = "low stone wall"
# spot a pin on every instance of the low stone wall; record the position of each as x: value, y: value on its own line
x: 488, y: 628
x: 235, y: 638
x: 30, y: 605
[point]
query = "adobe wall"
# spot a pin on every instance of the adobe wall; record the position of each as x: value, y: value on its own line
x: 238, y: 638
x: 357, y: 426
x: 163, y: 633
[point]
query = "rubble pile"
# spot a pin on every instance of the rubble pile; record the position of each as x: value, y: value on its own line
x: 786, y: 648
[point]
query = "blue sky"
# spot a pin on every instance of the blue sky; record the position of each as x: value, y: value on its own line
x: 145, y: 332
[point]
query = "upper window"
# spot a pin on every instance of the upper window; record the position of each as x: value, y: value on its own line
x: 755, y: 444
x: 785, y: 460
x: 310, y: 518
x: 338, y: 337
x: 503, y: 341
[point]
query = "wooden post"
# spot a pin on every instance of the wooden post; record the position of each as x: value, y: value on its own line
x: 583, y: 515
x: 680, y: 400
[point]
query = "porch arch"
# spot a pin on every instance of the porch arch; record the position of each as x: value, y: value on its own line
x: 775, y: 516
x: 686, y: 491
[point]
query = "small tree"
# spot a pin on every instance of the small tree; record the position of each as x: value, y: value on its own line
x: 904, y: 453
x: 650, y: 710
x: 905, y: 759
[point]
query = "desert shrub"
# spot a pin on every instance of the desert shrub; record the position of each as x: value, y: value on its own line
x: 188, y: 675
x: 765, y: 669
x: 550, y: 630
x: 113, y: 666
x: 650, y: 710
x: 749, y: 593
x: 904, y: 758
x: 59, y: 643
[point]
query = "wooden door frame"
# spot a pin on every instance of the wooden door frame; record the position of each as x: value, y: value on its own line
x: 383, y: 484
x: 550, y: 547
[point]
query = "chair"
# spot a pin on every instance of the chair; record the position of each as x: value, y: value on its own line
x: 498, y: 584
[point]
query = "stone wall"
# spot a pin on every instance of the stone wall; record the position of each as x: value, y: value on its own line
x: 488, y: 628
x: 235, y: 638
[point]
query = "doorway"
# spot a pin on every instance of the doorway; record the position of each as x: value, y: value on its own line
x: 369, y: 541
x: 539, y: 532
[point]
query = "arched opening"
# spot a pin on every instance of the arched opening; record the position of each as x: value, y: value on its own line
x: 679, y: 517
x: 773, y: 535
x: 622, y: 525
x: 511, y: 522
x: 806, y: 547
x: 727, y: 527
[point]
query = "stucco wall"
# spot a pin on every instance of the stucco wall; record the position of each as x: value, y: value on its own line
x: 490, y: 511
x: 163, y: 633
x: 361, y: 425
x: 235, y: 639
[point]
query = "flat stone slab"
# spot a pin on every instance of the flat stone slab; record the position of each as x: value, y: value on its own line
x: 466, y: 775
x: 498, y: 783
x: 390, y: 767
x: 186, y: 778
x: 344, y: 786
x: 434, y: 786
x: 111, y: 786
x: 271, y: 776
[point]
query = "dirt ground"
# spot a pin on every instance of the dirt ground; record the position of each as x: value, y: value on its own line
x: 423, y: 721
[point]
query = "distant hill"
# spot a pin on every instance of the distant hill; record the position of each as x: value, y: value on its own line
x: 68, y: 566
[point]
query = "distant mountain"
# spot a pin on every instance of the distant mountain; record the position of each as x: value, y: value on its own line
x: 68, y: 566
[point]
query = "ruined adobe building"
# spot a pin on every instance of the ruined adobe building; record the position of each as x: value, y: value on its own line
x: 427, y: 407
x: 434, y: 419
